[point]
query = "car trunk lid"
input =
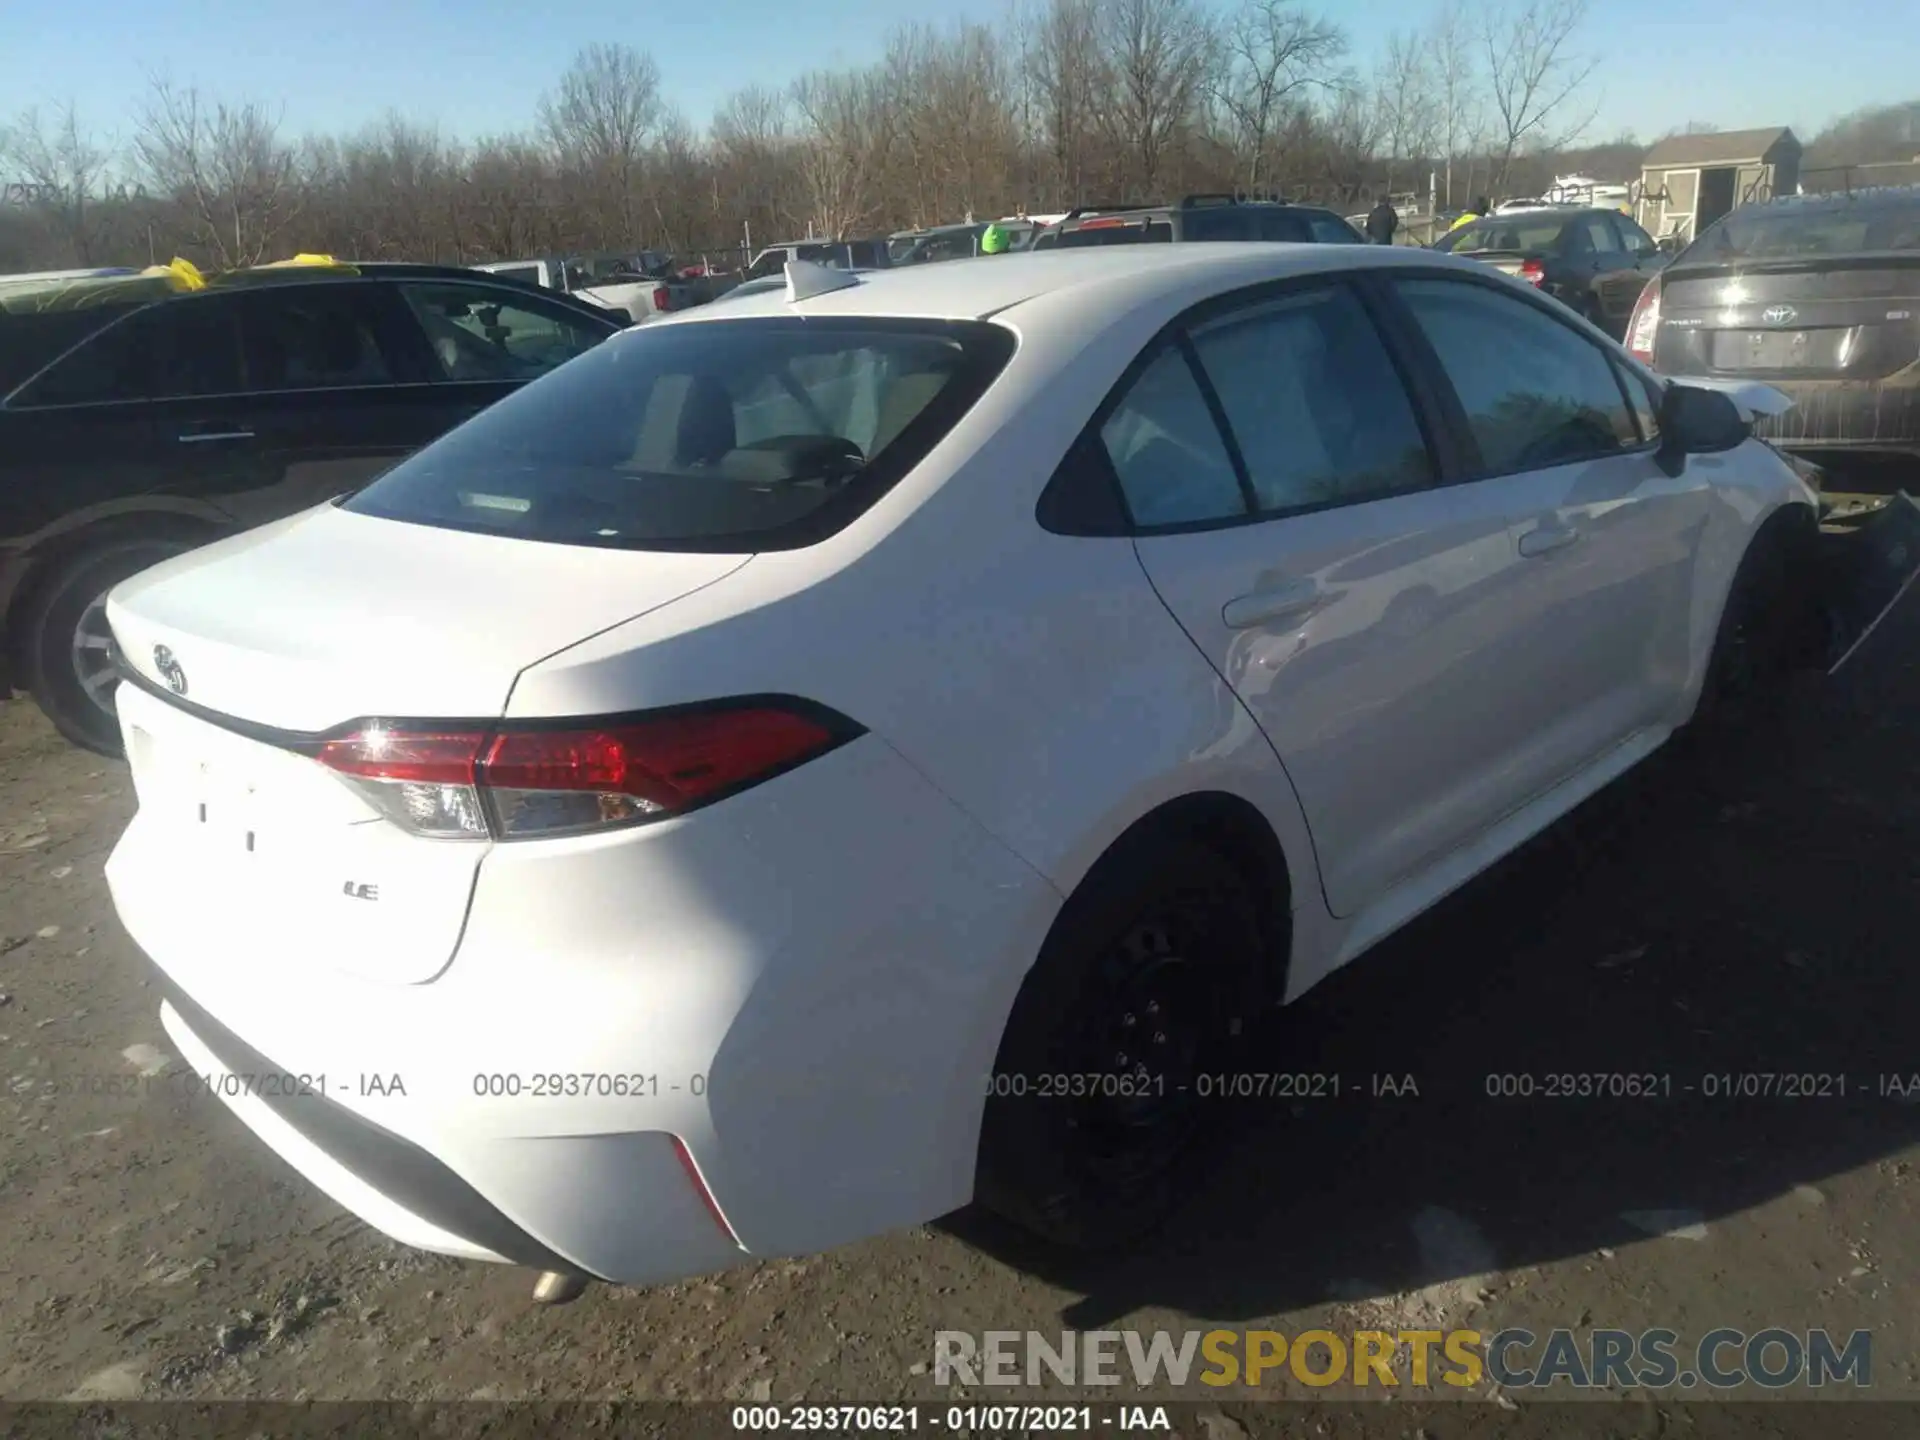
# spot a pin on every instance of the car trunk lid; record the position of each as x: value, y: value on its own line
x: 244, y: 650
x: 1509, y: 261
x: 1817, y: 318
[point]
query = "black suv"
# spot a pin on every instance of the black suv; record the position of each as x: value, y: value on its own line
x: 1199, y: 217
x: 140, y: 418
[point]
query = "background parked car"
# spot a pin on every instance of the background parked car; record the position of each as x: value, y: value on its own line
x: 1199, y: 217
x: 1596, y: 261
x: 957, y: 242
x: 138, y: 420
x: 1816, y: 295
x: 641, y: 286
x: 841, y: 254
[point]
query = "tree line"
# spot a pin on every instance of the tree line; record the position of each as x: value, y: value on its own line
x: 1070, y: 102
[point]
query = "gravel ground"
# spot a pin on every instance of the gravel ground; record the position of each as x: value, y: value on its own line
x: 1762, y: 922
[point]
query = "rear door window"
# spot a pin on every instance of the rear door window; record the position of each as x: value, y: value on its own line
x: 176, y: 349
x: 1314, y: 402
x: 1284, y: 225
x: 1222, y: 224
x: 1118, y: 232
x: 1332, y: 230
x: 762, y: 433
x: 477, y: 333
x: 316, y: 337
x: 1601, y: 237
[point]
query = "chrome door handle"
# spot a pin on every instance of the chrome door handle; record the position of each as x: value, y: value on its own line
x: 1547, y: 539
x: 200, y: 437
x: 1263, y: 605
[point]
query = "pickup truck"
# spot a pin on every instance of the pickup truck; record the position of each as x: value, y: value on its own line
x: 638, y: 285
x: 840, y: 254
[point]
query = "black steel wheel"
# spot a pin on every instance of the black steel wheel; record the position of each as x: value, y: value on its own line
x: 1105, y: 1095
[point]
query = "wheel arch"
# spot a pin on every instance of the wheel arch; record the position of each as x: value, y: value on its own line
x: 1234, y: 828
x: 47, y: 556
x: 1791, y: 521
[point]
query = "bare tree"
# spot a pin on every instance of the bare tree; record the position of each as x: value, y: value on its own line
x: 60, y: 170
x: 1069, y: 82
x: 224, y: 166
x: 1271, y: 54
x: 1453, y: 61
x: 1156, y: 52
x: 846, y: 131
x: 1404, y: 96
x: 1532, y: 75
x: 602, y: 117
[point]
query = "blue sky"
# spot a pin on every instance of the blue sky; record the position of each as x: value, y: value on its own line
x: 478, y: 66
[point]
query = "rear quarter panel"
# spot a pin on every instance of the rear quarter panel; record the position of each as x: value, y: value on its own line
x: 1035, y: 680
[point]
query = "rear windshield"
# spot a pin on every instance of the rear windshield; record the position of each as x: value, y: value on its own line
x: 1123, y: 232
x: 1789, y: 234
x: 761, y: 433
x: 1509, y: 232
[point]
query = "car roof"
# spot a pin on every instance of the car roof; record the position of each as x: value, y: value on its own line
x: 988, y: 285
x: 1875, y: 197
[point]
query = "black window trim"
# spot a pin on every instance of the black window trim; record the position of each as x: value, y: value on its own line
x: 1429, y: 361
x: 1064, y: 507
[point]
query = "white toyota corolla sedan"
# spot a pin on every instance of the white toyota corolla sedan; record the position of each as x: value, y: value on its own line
x: 818, y: 761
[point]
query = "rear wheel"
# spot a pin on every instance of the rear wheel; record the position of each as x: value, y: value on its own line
x: 68, y: 654
x: 1102, y: 1097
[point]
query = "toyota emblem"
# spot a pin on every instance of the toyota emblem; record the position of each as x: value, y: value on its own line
x: 169, y: 669
x: 1779, y: 314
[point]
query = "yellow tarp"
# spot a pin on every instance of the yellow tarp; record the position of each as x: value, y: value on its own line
x: 182, y: 274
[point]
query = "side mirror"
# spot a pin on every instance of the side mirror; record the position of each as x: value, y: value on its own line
x: 1699, y: 422
x: 1667, y: 245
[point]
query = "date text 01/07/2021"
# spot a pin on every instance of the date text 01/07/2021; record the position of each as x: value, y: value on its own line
x: 960, y: 1419
x: 1211, y: 1085
x: 231, y: 1084
x: 1715, y: 1085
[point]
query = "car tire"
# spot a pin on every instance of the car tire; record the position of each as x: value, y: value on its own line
x: 1154, y: 973
x: 66, y: 662
x: 1770, y: 627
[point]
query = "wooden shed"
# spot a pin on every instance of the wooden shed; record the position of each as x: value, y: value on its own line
x: 1689, y: 181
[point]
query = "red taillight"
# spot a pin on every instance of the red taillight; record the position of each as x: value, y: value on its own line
x: 455, y: 783
x: 1644, y: 324
x: 662, y: 298
x: 426, y: 757
x: 1533, y: 272
x: 1113, y: 224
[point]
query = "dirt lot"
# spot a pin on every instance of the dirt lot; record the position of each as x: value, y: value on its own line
x: 1760, y: 923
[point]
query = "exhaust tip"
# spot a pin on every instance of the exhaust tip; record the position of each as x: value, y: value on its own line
x: 556, y: 1288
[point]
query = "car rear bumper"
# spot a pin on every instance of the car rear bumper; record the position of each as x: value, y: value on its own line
x: 389, y: 1182
x: 660, y: 1052
x: 1849, y: 415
